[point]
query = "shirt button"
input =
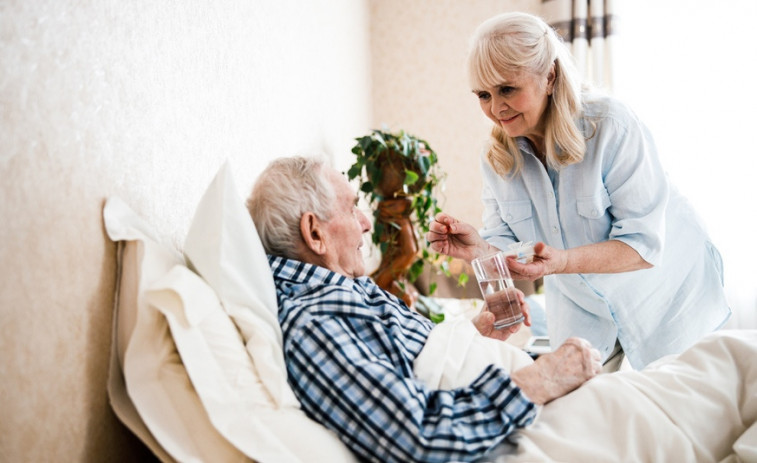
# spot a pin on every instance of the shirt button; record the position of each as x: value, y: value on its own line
x: 509, y: 217
x: 555, y: 230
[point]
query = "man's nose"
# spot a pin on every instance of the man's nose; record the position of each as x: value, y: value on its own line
x: 365, y: 222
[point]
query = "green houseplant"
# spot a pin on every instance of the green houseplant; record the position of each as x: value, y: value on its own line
x: 399, y: 176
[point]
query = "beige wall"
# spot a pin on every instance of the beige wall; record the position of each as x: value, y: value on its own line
x: 143, y: 100
x: 419, y: 84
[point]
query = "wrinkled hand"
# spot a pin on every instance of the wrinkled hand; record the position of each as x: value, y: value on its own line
x: 484, y: 321
x: 547, y: 260
x: 555, y: 374
x: 451, y: 237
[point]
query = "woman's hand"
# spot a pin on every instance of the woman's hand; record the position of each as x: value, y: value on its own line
x: 484, y: 321
x: 547, y: 260
x: 611, y: 256
x: 451, y: 237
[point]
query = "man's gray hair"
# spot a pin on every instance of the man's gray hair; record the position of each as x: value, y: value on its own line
x: 283, y: 193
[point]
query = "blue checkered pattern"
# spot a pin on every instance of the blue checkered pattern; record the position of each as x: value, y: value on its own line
x: 349, y: 348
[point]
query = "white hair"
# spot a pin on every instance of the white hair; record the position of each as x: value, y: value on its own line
x: 284, y: 192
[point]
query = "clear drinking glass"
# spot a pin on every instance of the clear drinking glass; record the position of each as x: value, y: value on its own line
x: 498, y: 289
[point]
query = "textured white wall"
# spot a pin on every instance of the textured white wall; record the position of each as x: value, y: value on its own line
x: 144, y: 100
x: 420, y: 85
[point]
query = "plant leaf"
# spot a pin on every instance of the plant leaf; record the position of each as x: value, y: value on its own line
x: 432, y: 288
x: 410, y: 177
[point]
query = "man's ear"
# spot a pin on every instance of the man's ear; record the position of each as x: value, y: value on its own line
x: 312, y: 234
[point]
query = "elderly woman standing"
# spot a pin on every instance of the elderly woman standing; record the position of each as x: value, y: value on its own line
x: 627, y: 263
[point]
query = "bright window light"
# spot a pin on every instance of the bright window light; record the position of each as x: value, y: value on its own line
x: 688, y: 70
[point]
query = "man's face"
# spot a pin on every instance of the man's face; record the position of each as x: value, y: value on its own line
x: 344, y: 232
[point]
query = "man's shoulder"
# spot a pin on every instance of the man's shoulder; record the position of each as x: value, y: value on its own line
x: 326, y: 309
x: 335, y: 296
x: 306, y: 291
x: 330, y: 297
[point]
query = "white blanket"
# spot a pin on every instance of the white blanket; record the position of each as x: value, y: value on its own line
x: 699, y: 406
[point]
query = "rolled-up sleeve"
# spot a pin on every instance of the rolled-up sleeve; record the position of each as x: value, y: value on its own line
x: 637, y: 187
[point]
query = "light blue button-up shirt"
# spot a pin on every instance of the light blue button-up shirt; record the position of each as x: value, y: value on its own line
x: 620, y: 192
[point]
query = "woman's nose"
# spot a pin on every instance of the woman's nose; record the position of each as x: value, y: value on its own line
x: 499, y: 105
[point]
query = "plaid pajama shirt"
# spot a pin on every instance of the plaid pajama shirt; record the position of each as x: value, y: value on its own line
x: 349, y: 348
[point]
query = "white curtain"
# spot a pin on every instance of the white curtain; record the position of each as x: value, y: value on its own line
x: 589, y: 28
x: 686, y: 67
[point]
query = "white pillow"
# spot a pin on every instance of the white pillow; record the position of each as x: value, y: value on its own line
x: 161, y: 407
x: 225, y: 378
x: 230, y: 398
x: 223, y: 247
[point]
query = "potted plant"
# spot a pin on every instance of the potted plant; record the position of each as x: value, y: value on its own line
x: 399, y: 176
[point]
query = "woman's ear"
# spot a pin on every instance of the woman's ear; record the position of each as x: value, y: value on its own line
x: 551, y: 77
x: 312, y: 234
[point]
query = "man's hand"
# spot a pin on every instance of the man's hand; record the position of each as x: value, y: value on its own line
x: 484, y: 321
x: 555, y: 374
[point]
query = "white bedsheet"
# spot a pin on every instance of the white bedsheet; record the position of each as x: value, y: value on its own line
x: 699, y: 406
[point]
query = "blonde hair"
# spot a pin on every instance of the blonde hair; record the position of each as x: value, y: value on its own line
x: 514, y: 43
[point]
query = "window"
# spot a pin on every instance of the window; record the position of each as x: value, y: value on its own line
x: 688, y: 70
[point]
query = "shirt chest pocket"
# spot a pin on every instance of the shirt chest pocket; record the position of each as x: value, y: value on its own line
x: 518, y: 215
x: 594, y: 216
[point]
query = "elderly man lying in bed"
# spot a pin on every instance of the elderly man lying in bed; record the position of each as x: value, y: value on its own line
x: 360, y: 361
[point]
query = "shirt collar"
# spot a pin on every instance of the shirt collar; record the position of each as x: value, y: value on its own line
x: 298, y: 272
x: 524, y: 145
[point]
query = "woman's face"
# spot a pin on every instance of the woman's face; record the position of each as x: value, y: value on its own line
x: 518, y: 104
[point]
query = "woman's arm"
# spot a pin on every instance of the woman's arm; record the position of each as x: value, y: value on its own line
x: 611, y: 256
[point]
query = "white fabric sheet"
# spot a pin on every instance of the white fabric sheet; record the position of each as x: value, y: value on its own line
x: 699, y: 406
